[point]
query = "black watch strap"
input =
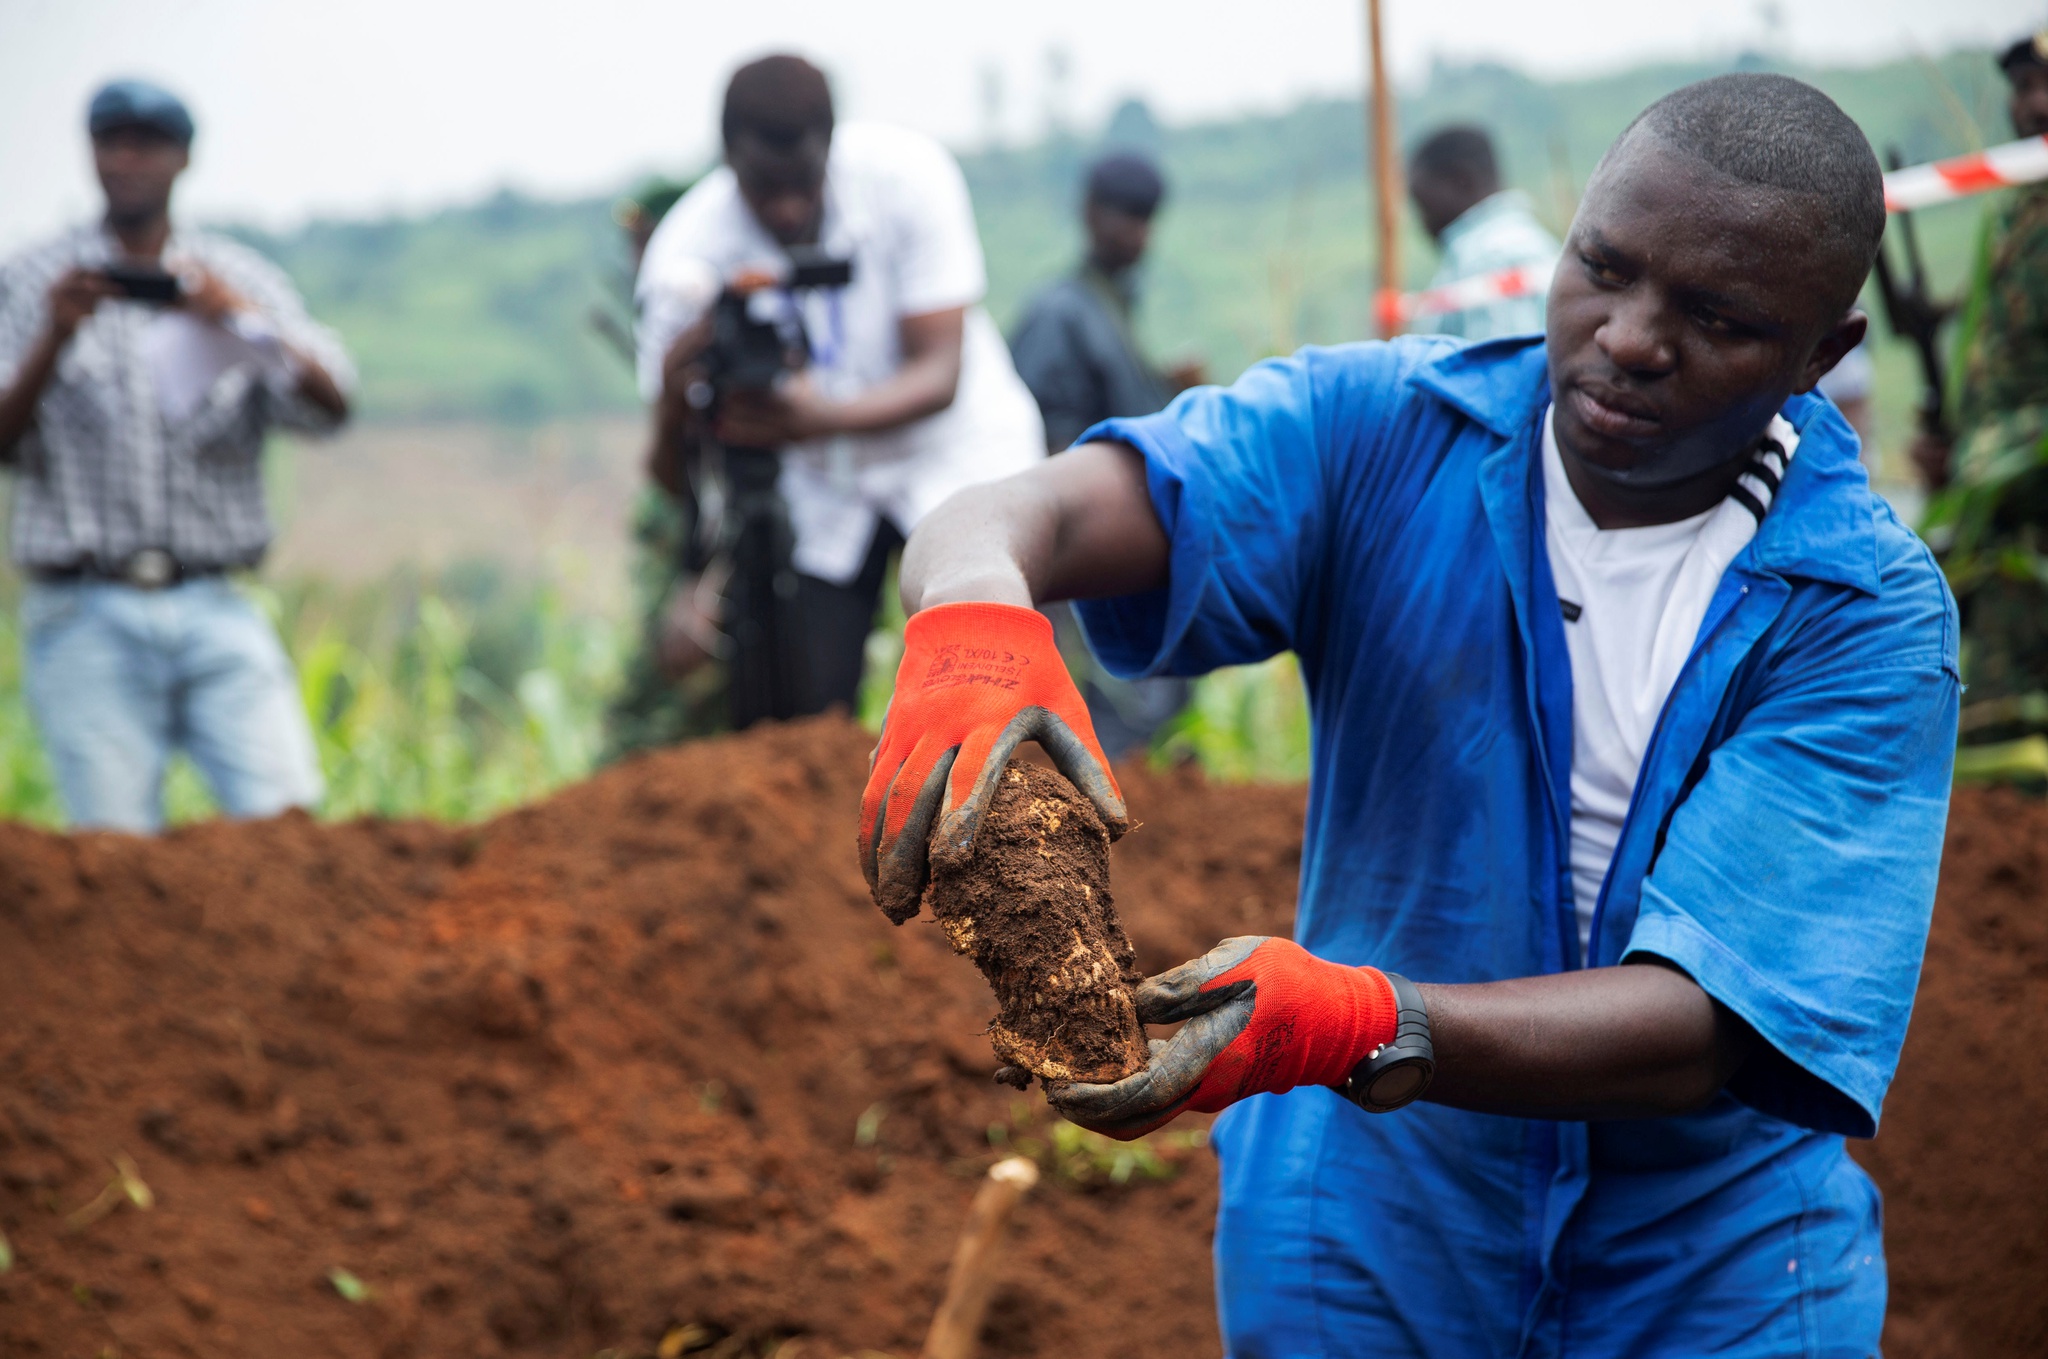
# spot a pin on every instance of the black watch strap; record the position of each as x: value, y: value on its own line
x: 1396, y: 1073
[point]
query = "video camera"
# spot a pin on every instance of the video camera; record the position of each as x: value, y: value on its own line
x: 758, y: 336
x: 757, y: 331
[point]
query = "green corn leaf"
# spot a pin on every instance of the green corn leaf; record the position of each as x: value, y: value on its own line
x: 348, y: 1285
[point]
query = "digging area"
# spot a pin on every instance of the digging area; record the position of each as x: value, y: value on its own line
x: 644, y: 1063
x: 1031, y: 906
x: 1962, y: 1155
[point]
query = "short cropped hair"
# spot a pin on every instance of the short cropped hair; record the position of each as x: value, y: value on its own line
x: 1127, y: 182
x: 1463, y: 153
x: 2031, y: 50
x: 1779, y: 133
x: 780, y: 99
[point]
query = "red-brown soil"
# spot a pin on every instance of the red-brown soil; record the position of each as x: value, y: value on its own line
x: 644, y: 1059
x: 1963, y: 1151
x: 571, y: 1080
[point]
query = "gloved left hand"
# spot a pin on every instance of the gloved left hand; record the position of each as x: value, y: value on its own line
x: 1264, y: 1015
x: 976, y: 681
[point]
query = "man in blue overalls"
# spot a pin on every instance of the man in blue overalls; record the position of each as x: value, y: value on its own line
x: 1633, y: 717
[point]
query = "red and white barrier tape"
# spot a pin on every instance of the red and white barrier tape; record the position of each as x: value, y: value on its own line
x: 1922, y: 186
x: 1521, y: 280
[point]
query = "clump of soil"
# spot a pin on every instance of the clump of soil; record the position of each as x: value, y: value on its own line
x: 1030, y: 904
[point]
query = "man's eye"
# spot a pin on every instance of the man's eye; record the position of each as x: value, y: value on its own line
x: 1706, y: 318
x: 1601, y: 272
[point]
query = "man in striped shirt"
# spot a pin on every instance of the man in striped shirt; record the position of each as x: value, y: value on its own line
x: 1480, y: 228
x: 140, y: 368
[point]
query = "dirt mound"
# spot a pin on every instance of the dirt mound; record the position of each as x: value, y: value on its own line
x: 643, y: 1064
x: 1962, y: 1154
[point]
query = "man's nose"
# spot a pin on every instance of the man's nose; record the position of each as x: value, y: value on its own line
x: 123, y: 160
x: 1637, y: 335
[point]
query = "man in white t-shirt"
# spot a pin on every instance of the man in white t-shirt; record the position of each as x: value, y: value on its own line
x: 1633, y: 597
x: 909, y: 394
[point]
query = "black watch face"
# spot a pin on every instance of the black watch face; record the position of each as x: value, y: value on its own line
x: 1398, y: 1085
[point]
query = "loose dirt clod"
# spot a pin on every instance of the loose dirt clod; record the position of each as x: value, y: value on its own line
x: 1031, y: 906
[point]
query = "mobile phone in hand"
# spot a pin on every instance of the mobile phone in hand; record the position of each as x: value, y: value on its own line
x: 144, y: 284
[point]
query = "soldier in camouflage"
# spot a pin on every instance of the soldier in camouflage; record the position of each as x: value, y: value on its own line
x: 1993, y: 479
x: 666, y: 694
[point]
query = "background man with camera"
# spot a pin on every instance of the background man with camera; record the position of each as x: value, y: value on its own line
x: 908, y: 393
x: 140, y: 368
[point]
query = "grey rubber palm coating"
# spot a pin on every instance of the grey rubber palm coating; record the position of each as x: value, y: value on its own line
x: 897, y: 878
x: 1213, y: 1020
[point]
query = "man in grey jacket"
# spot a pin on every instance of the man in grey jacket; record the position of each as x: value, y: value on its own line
x: 1075, y: 347
x: 1077, y: 352
x: 140, y: 368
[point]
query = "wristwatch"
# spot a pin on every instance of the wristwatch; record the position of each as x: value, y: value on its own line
x: 1397, y: 1072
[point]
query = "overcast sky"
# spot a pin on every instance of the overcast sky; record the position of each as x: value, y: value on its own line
x: 377, y: 105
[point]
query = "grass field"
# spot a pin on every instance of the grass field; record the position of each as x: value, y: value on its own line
x: 452, y: 699
x: 462, y: 695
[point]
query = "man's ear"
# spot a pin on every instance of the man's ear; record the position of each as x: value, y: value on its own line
x: 1834, y: 347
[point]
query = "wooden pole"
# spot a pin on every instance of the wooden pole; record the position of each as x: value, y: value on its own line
x: 1386, y: 176
x: 956, y: 1327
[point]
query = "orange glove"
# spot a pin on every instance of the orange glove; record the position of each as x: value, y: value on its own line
x: 1263, y: 1016
x: 976, y: 681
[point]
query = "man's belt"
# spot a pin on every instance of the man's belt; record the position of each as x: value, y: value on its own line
x: 152, y: 568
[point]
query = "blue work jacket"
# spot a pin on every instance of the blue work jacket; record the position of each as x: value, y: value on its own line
x: 1378, y: 509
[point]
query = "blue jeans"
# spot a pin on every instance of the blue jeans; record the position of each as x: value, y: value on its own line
x: 119, y: 678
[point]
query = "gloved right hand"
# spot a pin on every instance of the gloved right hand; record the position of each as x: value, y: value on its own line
x: 1263, y: 1016
x: 976, y: 681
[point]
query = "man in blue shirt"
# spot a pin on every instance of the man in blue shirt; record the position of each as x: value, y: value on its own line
x: 1634, y: 713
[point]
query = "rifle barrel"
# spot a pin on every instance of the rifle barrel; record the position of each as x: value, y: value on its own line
x: 1910, y: 312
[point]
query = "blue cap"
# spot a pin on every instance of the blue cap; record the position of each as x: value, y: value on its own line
x: 137, y: 103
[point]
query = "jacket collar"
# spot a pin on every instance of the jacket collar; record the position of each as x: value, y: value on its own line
x: 1822, y: 525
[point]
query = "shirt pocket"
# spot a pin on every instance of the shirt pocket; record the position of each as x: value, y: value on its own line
x: 226, y: 429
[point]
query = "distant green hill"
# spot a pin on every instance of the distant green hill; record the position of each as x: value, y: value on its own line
x: 471, y: 311
x: 484, y: 310
x: 1266, y: 242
